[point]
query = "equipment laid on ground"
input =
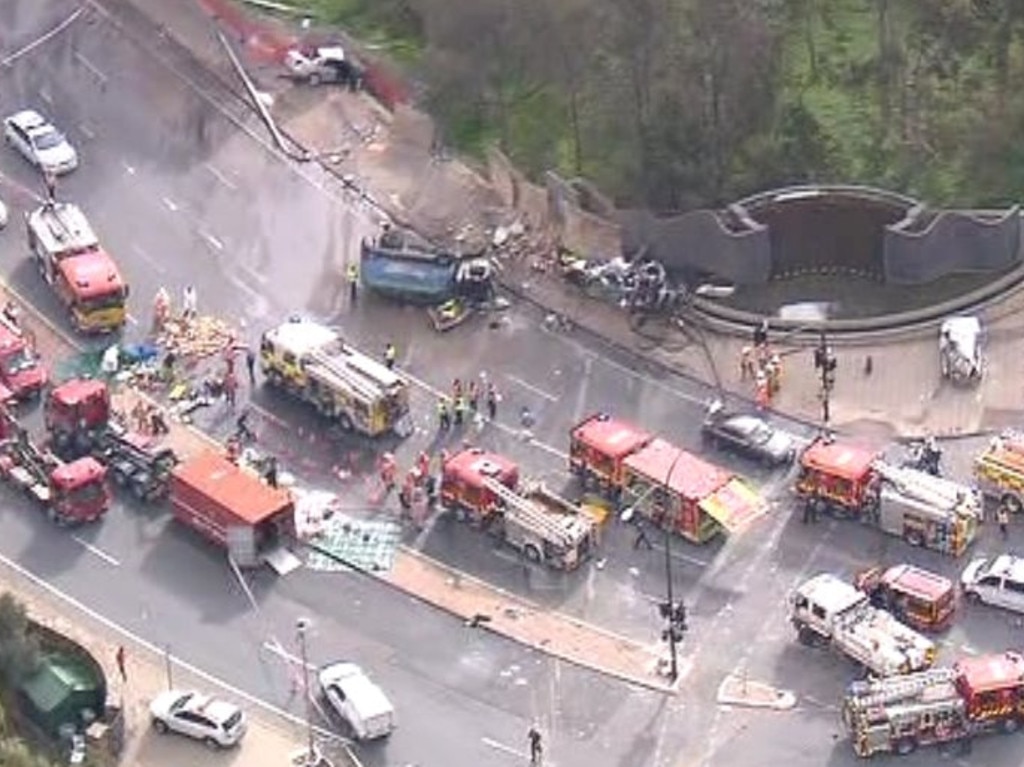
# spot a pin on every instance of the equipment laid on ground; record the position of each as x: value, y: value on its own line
x: 79, y: 420
x: 310, y: 361
x: 999, y: 471
x: 921, y: 599
x: 233, y: 508
x: 828, y: 611
x: 960, y: 350
x: 82, y: 274
x: 673, y: 488
x: 534, y: 520
x: 22, y: 373
x: 327, y: 64
x: 71, y: 493
x: 852, y: 481
x: 977, y: 695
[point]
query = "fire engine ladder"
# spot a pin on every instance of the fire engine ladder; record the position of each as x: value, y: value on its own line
x: 882, y: 692
x: 539, y: 521
x: 923, y: 488
x: 338, y: 371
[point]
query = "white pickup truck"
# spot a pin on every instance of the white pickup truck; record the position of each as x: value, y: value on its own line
x: 828, y: 611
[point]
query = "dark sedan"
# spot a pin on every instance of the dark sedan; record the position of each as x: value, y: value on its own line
x: 750, y: 436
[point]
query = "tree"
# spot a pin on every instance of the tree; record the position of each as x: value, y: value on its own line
x: 19, y: 652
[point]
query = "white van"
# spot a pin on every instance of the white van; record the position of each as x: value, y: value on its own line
x: 998, y: 581
x: 357, y: 700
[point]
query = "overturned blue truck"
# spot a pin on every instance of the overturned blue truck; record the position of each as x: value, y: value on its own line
x: 403, y: 267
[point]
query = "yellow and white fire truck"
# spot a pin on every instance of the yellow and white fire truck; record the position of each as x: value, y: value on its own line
x: 944, y: 705
x: 999, y: 471
x: 313, y: 363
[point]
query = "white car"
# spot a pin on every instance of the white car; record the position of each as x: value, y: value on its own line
x: 39, y: 142
x: 996, y: 581
x: 217, y: 723
x: 357, y: 700
x: 3, y: 215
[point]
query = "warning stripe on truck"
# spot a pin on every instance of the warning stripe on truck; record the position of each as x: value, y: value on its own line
x: 735, y: 505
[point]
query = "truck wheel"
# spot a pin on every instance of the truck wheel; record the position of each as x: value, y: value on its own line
x: 160, y: 726
x: 532, y: 553
x: 808, y: 637
x: 914, y: 538
x: 118, y: 477
x: 905, y: 746
x: 140, y: 491
x: 344, y: 422
x: 1010, y: 725
x: 1012, y: 503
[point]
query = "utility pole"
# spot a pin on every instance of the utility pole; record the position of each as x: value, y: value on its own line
x: 673, y: 614
x: 825, y: 362
x: 301, y: 628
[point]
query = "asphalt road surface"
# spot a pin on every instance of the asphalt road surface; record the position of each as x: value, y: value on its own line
x: 183, y: 189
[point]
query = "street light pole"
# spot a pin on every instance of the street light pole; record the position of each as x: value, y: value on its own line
x: 673, y: 652
x: 301, y: 627
x: 825, y: 362
x: 674, y: 615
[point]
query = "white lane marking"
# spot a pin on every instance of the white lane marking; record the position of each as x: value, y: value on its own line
x: 220, y: 176
x: 96, y: 550
x: 93, y: 70
x: 262, y: 279
x: 161, y: 652
x: 530, y: 387
x: 267, y: 415
x: 497, y: 746
x: 45, y: 96
x: 128, y: 168
x: 212, y: 241
x: 8, y: 60
x: 171, y: 205
x: 276, y: 648
x: 88, y: 132
x: 144, y: 255
x: 131, y: 319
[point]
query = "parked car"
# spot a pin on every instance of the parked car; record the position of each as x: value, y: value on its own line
x: 357, y: 700
x: 997, y: 581
x: 40, y: 142
x: 748, y: 435
x: 218, y: 723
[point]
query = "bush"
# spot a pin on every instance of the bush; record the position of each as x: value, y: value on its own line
x: 19, y: 652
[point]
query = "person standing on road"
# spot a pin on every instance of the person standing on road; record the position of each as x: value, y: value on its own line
x: 189, y: 302
x: 352, y: 275
x: 444, y: 418
x: 122, y: 666
x: 390, y: 355
x: 492, y: 401
x: 1003, y: 518
x: 460, y: 410
x: 230, y: 388
x: 536, y: 746
x: 473, y: 396
x: 250, y: 366
x: 641, y: 535
x: 50, y: 180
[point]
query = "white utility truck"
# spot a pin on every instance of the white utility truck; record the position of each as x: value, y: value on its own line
x: 828, y: 611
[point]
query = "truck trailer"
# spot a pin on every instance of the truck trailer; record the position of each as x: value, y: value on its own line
x: 232, y: 507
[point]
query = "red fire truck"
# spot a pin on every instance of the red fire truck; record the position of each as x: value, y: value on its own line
x: 598, y: 446
x: 921, y: 599
x: 680, y: 492
x: 943, y: 705
x: 532, y: 519
x: 853, y: 481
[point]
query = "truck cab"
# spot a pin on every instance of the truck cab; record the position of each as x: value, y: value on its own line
x: 828, y: 611
x: 921, y: 599
x: 76, y: 413
x: 464, y: 482
x: 21, y: 370
x: 82, y: 274
x: 79, y: 491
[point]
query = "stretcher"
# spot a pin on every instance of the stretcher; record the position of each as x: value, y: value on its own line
x: 450, y: 314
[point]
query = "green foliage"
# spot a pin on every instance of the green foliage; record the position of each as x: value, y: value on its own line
x: 679, y: 103
x: 19, y: 653
x: 14, y: 753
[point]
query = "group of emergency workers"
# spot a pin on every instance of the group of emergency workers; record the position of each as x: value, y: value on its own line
x: 761, y: 365
x: 418, y: 492
x: 464, y: 403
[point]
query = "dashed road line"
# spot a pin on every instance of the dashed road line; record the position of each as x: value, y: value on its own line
x: 131, y: 319
x: 498, y: 746
x: 212, y: 241
x: 92, y: 68
x: 220, y: 176
x: 45, y: 96
x: 128, y: 168
x: 530, y: 387
x: 262, y: 279
x: 96, y: 551
x: 86, y: 131
x: 171, y: 205
x: 145, y: 256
